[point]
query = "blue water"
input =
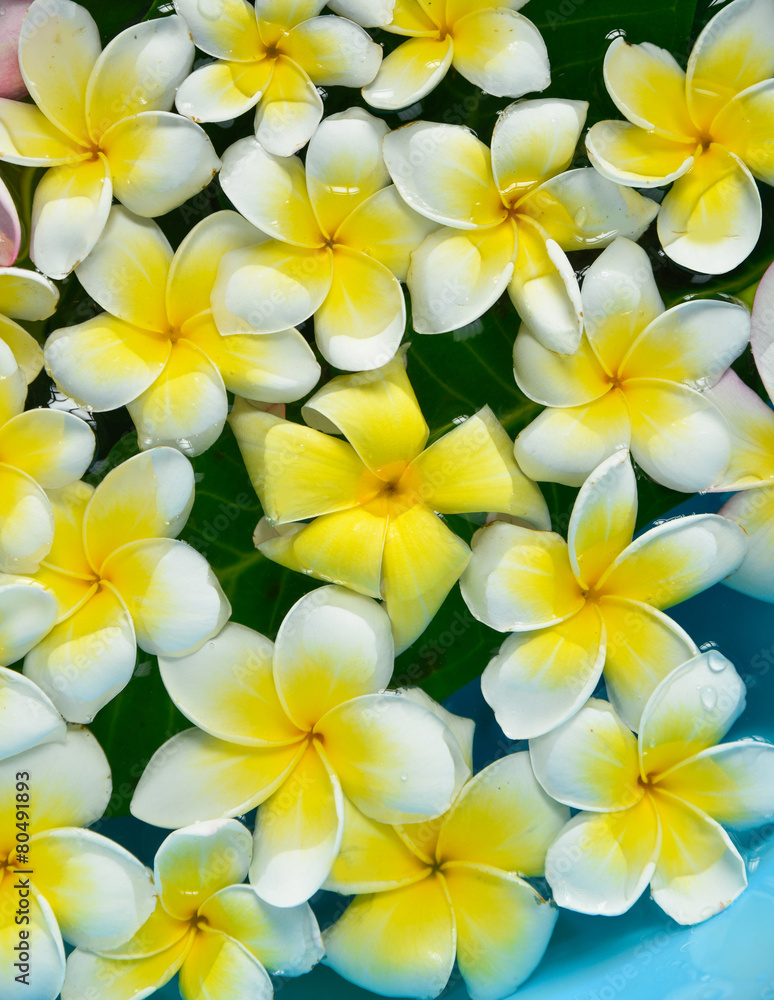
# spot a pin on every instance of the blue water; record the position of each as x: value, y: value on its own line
x: 642, y: 955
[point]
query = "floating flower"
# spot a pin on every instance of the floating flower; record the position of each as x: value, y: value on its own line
x: 509, y: 214
x: 101, y: 121
x: 40, y: 450
x: 709, y: 131
x: 272, y: 58
x: 652, y: 807
x: 341, y: 241
x: 27, y: 716
x: 122, y: 580
x: 374, y: 497
x: 27, y: 613
x: 67, y: 882
x: 157, y: 349
x: 295, y: 727
x: 219, y: 935
x: 594, y: 601
x: 426, y: 893
x: 635, y: 381
x: 488, y: 43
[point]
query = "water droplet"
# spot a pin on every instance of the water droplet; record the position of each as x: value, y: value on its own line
x: 709, y: 697
x: 581, y: 217
x: 404, y: 777
x: 716, y: 661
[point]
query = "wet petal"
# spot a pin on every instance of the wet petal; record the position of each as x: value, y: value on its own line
x: 753, y: 511
x: 409, y: 73
x: 221, y: 91
x: 26, y: 294
x: 26, y: 522
x: 627, y: 154
x: 557, y: 379
x: 501, y: 52
x: 27, y: 715
x: 53, y: 447
x: 227, y: 30
x: 28, y: 137
x: 289, y: 111
x: 333, y: 51
x: 217, y: 960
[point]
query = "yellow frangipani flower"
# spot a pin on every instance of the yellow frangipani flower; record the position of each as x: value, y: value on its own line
x: 486, y: 41
x: 374, y: 497
x: 635, y: 382
x: 707, y: 130
x: 653, y: 805
x: 508, y: 214
x: 217, y: 933
x: 40, y: 450
x: 272, y: 57
x: 342, y: 236
x: 122, y: 580
x: 296, y: 727
x: 101, y: 121
x: 68, y: 882
x: 428, y: 893
x: 157, y: 349
x: 594, y: 601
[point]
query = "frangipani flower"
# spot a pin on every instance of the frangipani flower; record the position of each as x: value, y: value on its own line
x: 594, y: 601
x: 374, y: 496
x: 297, y: 726
x: 428, y: 892
x: 635, y: 381
x: 122, y: 581
x: 509, y: 214
x: 27, y: 716
x: 157, y: 349
x: 709, y: 131
x: 101, y: 121
x: 40, y: 450
x: 341, y: 242
x: 486, y: 41
x: 653, y: 806
x: 68, y: 882
x: 27, y: 613
x: 219, y: 934
x: 272, y: 58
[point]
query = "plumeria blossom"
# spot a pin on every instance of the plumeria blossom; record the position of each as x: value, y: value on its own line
x: 374, y: 497
x: 487, y: 42
x: 295, y: 727
x: 27, y: 716
x: 216, y: 932
x: 652, y: 806
x: 592, y: 602
x: 508, y: 216
x: 272, y: 57
x: 707, y: 130
x: 635, y: 382
x: 79, y: 886
x: 122, y: 580
x: 157, y: 349
x: 342, y: 236
x: 40, y: 450
x: 101, y: 121
x: 427, y: 893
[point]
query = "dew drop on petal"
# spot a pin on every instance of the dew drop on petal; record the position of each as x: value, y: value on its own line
x: 716, y: 661
x: 709, y: 697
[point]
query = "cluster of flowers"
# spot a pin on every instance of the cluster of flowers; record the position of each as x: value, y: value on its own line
x: 363, y: 790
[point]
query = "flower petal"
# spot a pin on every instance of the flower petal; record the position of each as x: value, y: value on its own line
x: 186, y: 407
x: 173, y: 596
x: 215, y: 960
x: 503, y: 928
x: 287, y: 12
x: 520, y: 579
x: 691, y: 709
x: 454, y: 277
x: 27, y: 715
x: 289, y: 111
x: 675, y: 560
x: 590, y: 762
x: 751, y: 423
x: 332, y: 646
x: 158, y: 160
x: 333, y: 51
x: 227, y: 31
x: 753, y: 511
x: 67, y: 553
x: 699, y: 871
x: 409, y: 73
x: 137, y: 978
x: 139, y: 70
x: 69, y: 212
x: 298, y: 832
x: 501, y: 52
x: 503, y: 819
x: 557, y: 379
x: 28, y: 137
x: 545, y: 291
x: 25, y: 349
x: 401, y: 942
x: 47, y: 972
x: 643, y: 646
x: 648, y: 87
x: 26, y: 522
x: 361, y: 321
x: 369, y: 13
x: 445, y: 173
x: 194, y: 777
x: 13, y: 384
x: 627, y: 154
x: 55, y: 448
x: 193, y: 864
x: 26, y: 294
x: 539, y: 679
x: 221, y: 91
x: 601, y: 862
x: 762, y: 336
x: 85, y: 660
x: 744, y: 126
x: 711, y: 219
